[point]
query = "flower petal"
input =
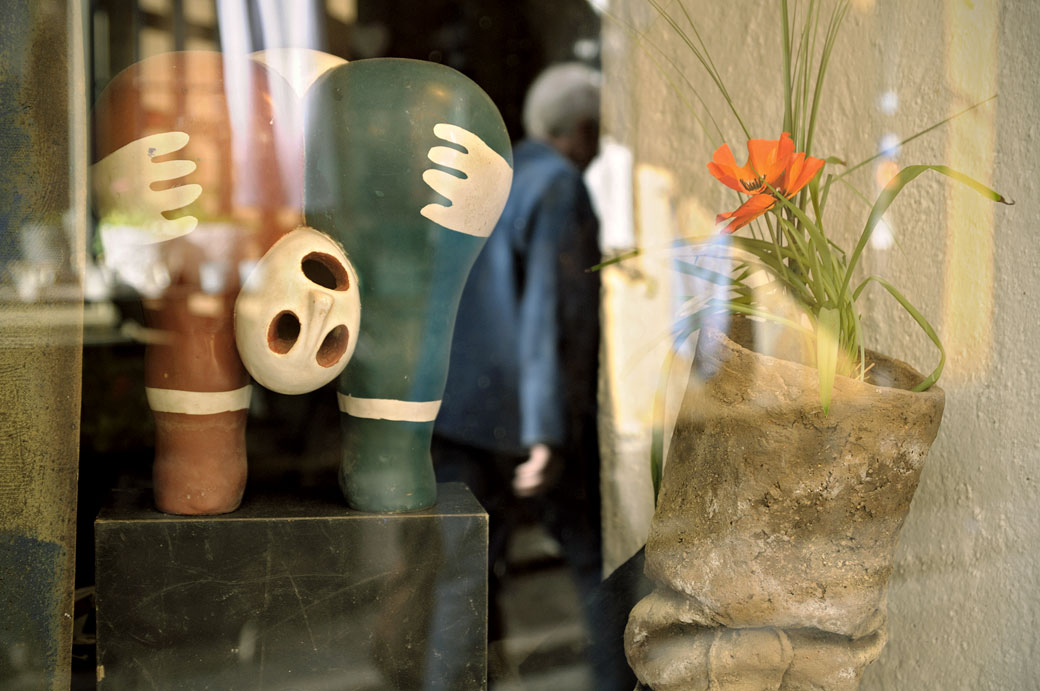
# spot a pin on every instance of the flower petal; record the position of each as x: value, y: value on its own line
x: 748, y: 212
x: 724, y: 167
x: 768, y: 158
x: 801, y: 170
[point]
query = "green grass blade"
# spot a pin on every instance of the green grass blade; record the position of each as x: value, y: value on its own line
x: 810, y: 259
x: 816, y: 234
x: 892, y: 190
x: 614, y: 260
x: 679, y: 93
x: 906, y: 141
x: 731, y: 306
x: 657, y: 416
x: 856, y: 192
x: 828, y: 327
x: 658, y: 407
x: 691, y: 269
x: 786, y: 30
x: 921, y: 321
x: 828, y: 45
x: 704, y: 59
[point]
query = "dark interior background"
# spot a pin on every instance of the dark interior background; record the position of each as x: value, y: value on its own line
x: 293, y: 441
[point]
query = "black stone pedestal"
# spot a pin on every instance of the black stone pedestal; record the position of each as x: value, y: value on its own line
x: 292, y: 592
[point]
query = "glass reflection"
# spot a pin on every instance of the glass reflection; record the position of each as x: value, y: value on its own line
x: 173, y: 261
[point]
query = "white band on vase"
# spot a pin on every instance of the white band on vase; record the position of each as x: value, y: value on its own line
x: 198, y: 402
x: 389, y: 409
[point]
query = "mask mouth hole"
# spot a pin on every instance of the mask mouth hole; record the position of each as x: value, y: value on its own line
x: 333, y: 347
x: 283, y: 332
x: 325, y: 270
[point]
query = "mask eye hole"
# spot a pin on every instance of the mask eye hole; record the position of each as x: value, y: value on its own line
x: 325, y: 270
x: 283, y: 332
x: 333, y: 347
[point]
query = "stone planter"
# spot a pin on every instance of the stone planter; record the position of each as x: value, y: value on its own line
x: 776, y: 524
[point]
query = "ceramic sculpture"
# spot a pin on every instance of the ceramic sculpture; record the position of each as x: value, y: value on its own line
x: 168, y: 137
x: 369, y: 183
x: 406, y: 169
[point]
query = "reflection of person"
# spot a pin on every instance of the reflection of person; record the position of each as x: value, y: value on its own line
x: 519, y: 411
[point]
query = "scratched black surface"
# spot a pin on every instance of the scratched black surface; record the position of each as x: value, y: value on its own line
x: 292, y: 592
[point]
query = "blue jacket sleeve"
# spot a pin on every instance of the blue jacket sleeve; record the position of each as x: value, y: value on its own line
x: 542, y: 407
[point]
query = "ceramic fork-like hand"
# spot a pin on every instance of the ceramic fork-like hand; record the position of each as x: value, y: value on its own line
x: 478, y: 198
x: 123, y: 193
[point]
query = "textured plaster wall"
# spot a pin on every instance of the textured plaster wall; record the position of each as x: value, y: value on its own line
x: 964, y: 610
x: 42, y: 190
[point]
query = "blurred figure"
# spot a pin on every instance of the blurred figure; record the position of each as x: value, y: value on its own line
x: 518, y: 418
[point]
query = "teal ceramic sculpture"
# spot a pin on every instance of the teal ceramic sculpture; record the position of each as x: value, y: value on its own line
x: 408, y: 165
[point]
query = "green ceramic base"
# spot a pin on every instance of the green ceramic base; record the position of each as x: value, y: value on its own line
x: 385, y: 465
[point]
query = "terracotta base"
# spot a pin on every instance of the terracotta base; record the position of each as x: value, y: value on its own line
x: 200, y: 462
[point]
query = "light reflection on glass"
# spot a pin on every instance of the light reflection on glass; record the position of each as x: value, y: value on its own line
x: 884, y: 171
x: 971, y: 72
x: 889, y: 145
x: 882, y: 238
x: 888, y: 102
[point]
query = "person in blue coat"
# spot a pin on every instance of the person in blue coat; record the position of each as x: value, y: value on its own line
x: 518, y: 418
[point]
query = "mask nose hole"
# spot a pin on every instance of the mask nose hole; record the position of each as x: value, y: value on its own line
x: 333, y: 347
x: 283, y: 332
x: 326, y: 271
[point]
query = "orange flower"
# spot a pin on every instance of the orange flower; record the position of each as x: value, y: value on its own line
x: 767, y: 160
x: 748, y: 212
x: 800, y: 171
x: 771, y: 163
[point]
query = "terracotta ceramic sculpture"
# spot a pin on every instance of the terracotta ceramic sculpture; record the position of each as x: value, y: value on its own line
x: 163, y: 119
x: 401, y: 170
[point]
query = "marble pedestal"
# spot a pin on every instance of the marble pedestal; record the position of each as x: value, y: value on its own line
x: 292, y: 592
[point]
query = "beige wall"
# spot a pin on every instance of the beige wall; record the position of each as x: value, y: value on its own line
x: 964, y: 606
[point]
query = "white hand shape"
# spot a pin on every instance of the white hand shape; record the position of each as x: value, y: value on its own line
x: 538, y: 473
x: 476, y: 200
x: 123, y: 194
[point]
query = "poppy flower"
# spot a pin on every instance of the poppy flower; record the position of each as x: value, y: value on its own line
x: 800, y: 171
x: 746, y: 213
x: 772, y: 163
x: 767, y: 160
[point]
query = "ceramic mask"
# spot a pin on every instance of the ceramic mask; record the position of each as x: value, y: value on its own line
x: 297, y: 316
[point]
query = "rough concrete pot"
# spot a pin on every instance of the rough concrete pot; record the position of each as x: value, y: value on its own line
x: 773, y: 538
